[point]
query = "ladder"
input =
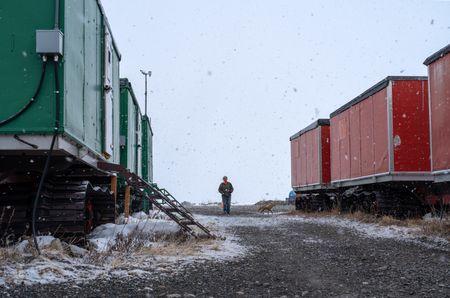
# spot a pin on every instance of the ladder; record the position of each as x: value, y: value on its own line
x: 161, y: 198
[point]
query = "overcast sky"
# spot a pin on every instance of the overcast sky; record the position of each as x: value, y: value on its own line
x: 233, y: 79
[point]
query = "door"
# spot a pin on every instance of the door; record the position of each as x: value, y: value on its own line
x: 108, y: 147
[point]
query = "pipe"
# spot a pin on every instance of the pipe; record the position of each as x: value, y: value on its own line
x: 145, y: 95
x: 56, y: 14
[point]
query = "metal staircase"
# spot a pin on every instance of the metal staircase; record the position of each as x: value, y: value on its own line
x: 165, y: 202
x: 162, y: 199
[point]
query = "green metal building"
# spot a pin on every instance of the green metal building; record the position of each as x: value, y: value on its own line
x: 88, y: 73
x: 136, y: 145
x: 63, y: 127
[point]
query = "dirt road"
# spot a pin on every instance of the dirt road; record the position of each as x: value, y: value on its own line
x: 291, y: 259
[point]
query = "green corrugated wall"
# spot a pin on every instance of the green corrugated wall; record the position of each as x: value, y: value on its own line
x: 20, y: 66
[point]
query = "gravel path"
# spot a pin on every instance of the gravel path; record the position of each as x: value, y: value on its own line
x: 293, y: 260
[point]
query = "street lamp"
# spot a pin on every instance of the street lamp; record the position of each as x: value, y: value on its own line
x: 146, y: 74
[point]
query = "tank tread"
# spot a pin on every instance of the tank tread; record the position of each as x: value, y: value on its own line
x: 66, y: 208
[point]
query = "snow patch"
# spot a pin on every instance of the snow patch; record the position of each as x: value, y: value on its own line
x: 233, y: 221
x: 141, y: 224
x: 61, y: 262
x: 374, y: 231
x: 312, y: 240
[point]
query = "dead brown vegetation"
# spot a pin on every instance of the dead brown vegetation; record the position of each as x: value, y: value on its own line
x: 429, y: 227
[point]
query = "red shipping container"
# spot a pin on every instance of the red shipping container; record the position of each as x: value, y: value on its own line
x: 310, y: 156
x: 439, y: 84
x: 382, y: 135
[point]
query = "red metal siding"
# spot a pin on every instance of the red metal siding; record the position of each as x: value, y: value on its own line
x: 380, y: 132
x: 309, y: 150
x: 439, y: 76
x: 314, y: 157
x: 306, y: 161
x: 344, y: 144
x: 411, y: 131
x: 355, y: 142
x: 334, y: 148
x: 325, y: 139
x: 359, y: 141
x: 294, y: 162
x: 367, y: 147
x: 303, y: 161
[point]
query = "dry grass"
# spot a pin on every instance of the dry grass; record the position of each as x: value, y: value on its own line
x: 8, y: 254
x: 437, y: 227
x: 140, y: 244
x: 430, y: 227
x: 188, y: 247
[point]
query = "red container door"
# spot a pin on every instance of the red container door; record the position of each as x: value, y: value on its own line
x: 439, y: 76
x: 410, y: 126
x: 325, y: 144
x: 367, y: 143
x: 380, y: 132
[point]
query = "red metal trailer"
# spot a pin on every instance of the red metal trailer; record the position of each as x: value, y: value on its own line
x: 439, y: 84
x: 310, y: 163
x: 382, y: 135
x: 439, y: 106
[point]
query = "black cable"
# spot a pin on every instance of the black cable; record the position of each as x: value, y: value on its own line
x: 38, y: 194
x: 30, y: 102
x: 25, y: 142
x: 49, y: 155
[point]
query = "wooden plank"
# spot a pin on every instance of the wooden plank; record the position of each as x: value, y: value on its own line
x: 127, y: 201
x: 114, y: 190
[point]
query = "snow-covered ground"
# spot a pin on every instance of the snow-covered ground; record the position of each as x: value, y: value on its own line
x: 144, y: 244
x: 139, y: 245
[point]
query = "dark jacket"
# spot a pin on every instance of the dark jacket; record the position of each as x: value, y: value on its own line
x: 226, y: 189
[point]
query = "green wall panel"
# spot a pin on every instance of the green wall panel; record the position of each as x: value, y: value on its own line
x: 92, y: 76
x: 116, y: 104
x: 130, y: 122
x: 21, y: 67
x: 83, y: 60
x: 147, y: 150
x: 74, y: 68
x: 131, y: 148
x: 124, y: 126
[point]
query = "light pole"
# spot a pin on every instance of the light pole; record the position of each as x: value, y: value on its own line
x: 146, y: 74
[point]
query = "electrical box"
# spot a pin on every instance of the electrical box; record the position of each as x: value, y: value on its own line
x: 49, y: 42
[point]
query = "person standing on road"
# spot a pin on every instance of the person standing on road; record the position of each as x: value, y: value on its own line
x: 226, y: 188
